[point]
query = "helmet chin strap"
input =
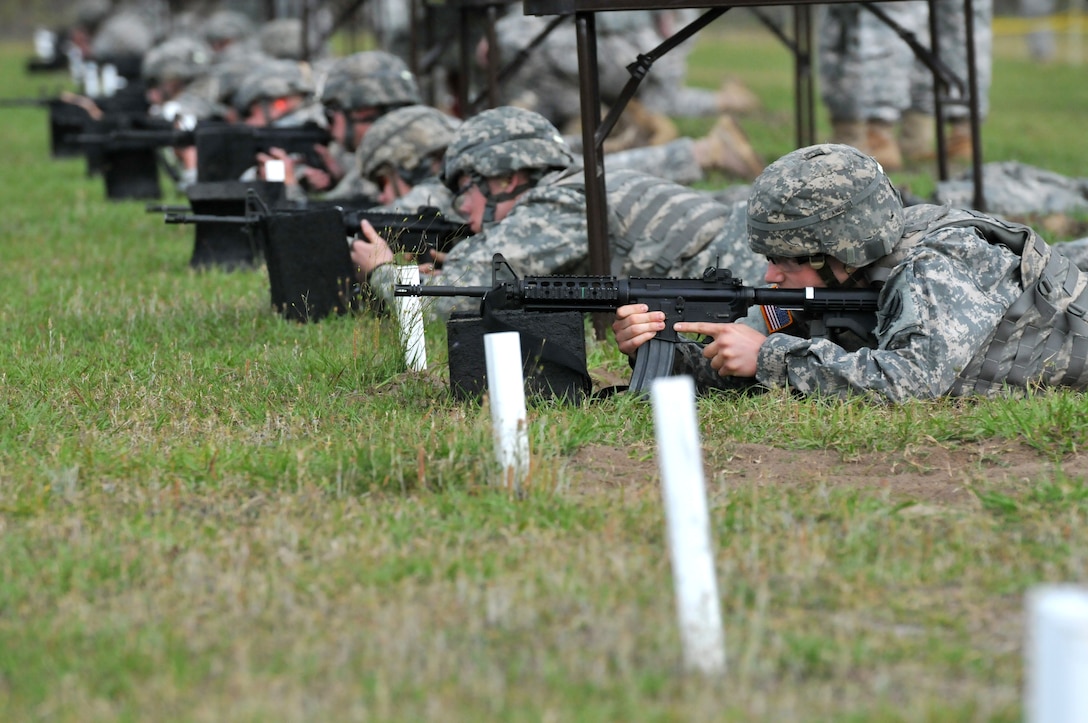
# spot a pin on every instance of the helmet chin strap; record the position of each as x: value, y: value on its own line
x: 494, y: 199
x: 854, y: 277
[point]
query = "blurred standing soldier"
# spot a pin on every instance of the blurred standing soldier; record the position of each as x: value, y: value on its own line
x: 548, y: 82
x: 871, y: 80
x: 517, y: 185
x: 1041, y: 40
x: 968, y: 303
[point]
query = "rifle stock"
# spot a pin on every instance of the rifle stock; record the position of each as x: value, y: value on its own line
x: 715, y: 297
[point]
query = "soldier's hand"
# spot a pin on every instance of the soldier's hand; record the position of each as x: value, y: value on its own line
x: 635, y: 325
x: 277, y: 154
x: 328, y: 160
x: 734, y: 348
x: 370, y: 251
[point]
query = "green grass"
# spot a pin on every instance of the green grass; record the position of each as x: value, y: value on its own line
x: 209, y: 513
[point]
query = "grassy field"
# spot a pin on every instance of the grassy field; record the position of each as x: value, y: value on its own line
x: 208, y: 513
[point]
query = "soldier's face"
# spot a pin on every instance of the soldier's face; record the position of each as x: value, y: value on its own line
x: 392, y: 187
x: 349, y: 126
x: 787, y: 273
x: 471, y: 202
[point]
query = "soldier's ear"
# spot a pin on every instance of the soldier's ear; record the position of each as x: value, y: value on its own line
x: 514, y: 182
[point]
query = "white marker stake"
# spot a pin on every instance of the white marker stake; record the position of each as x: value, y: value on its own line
x: 1057, y: 655
x: 690, y: 550
x: 410, y: 317
x: 506, y: 392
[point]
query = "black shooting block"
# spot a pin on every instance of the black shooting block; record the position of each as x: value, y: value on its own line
x: 230, y: 245
x: 309, y: 263
x: 130, y: 173
x: 66, y: 121
x: 553, y: 350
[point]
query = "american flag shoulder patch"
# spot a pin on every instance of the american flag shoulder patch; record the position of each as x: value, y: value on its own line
x: 776, y: 318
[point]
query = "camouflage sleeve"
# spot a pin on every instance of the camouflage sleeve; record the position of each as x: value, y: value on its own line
x: 937, y: 310
x: 690, y: 360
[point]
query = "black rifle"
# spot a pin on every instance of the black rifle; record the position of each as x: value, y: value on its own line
x: 28, y: 102
x: 224, y: 151
x: 416, y: 232
x: 716, y: 297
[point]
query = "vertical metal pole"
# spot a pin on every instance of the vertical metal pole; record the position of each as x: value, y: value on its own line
x: 493, y: 59
x: 973, y: 106
x: 306, y: 30
x: 804, y: 95
x: 938, y: 93
x: 585, y: 27
x: 464, y: 14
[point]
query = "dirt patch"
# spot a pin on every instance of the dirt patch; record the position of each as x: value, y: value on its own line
x: 933, y: 474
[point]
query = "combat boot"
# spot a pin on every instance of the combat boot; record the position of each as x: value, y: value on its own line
x: 734, y: 97
x: 654, y: 129
x: 959, y: 141
x: 917, y: 134
x: 849, y: 133
x: 880, y: 143
x: 726, y: 148
x: 636, y: 127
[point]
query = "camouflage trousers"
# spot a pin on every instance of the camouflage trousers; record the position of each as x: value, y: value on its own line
x: 548, y: 82
x: 867, y: 72
x: 673, y: 161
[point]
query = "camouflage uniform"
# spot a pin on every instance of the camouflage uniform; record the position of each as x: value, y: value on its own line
x: 182, y: 60
x: 281, y: 79
x: 408, y: 142
x: 658, y: 228
x: 867, y: 72
x: 968, y: 304
x: 371, y: 79
x: 282, y: 38
x: 125, y: 33
x: 546, y: 233
x: 548, y: 82
x: 168, y: 70
x: 674, y: 161
x: 1017, y: 189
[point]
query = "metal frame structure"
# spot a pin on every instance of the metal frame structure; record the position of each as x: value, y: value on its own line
x: 594, y: 131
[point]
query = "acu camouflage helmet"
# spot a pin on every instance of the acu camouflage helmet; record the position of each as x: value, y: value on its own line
x: 828, y: 199
x: 282, y: 38
x: 370, y: 79
x: 181, y: 58
x: 404, y: 139
x: 224, y: 26
x: 125, y: 34
x: 503, y: 140
x: 273, y: 79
